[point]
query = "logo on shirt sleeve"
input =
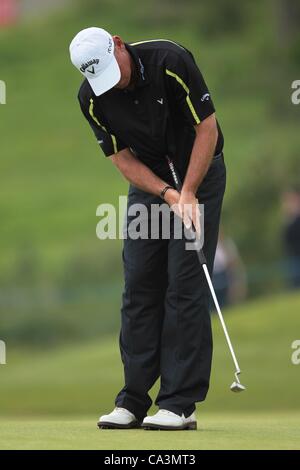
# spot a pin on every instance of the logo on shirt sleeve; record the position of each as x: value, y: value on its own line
x: 205, y: 97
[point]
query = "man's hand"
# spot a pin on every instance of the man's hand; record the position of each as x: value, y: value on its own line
x: 172, y: 197
x: 185, y: 205
x: 189, y: 210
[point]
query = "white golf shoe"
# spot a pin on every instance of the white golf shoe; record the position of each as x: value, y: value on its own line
x: 119, y: 418
x: 169, y: 421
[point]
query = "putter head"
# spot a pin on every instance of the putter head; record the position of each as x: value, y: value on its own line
x: 237, y: 387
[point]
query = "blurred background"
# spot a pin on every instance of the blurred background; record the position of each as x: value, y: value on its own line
x: 61, y: 286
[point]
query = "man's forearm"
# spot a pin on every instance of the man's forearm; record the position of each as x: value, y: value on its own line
x: 202, y: 153
x: 137, y: 173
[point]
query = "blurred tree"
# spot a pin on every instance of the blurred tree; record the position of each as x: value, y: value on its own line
x: 288, y: 32
x: 91, y: 268
x: 223, y: 16
x: 27, y: 265
x: 288, y: 15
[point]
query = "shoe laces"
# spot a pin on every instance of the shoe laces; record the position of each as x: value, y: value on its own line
x: 118, y: 408
x: 123, y: 410
x: 167, y: 412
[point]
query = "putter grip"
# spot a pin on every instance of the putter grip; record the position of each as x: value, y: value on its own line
x: 178, y: 186
x: 175, y: 176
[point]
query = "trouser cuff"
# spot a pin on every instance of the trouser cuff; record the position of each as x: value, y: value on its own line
x: 177, y: 410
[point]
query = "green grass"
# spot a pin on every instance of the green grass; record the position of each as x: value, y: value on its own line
x: 47, y: 396
x: 84, y: 379
x: 215, y: 431
x: 53, y: 176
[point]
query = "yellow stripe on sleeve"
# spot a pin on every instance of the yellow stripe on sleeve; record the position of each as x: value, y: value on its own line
x: 114, y: 141
x: 154, y: 40
x: 187, y: 90
x: 113, y: 137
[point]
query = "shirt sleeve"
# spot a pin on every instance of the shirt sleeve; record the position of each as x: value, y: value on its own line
x: 109, y: 142
x: 188, y: 87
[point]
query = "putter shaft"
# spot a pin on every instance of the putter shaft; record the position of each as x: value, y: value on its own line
x: 203, y: 263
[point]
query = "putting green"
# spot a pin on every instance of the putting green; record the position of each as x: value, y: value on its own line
x: 51, y: 398
x: 215, y: 431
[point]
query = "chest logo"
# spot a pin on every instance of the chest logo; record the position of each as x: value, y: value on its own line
x: 161, y: 101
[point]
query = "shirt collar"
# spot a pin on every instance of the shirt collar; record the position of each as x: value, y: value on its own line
x: 142, y: 76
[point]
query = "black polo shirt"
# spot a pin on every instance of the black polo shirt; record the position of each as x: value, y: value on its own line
x: 157, y: 116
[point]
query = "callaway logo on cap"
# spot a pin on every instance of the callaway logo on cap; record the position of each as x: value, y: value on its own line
x: 92, y: 53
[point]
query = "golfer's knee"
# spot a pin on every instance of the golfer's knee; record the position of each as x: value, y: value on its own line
x: 139, y: 279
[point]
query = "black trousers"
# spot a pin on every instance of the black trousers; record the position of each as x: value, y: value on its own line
x: 166, y: 328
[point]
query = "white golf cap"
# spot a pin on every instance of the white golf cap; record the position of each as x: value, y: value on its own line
x: 92, y: 52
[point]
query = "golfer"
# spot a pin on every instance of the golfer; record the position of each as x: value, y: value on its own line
x: 145, y: 101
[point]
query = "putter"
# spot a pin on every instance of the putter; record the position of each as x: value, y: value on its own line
x: 236, y: 386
